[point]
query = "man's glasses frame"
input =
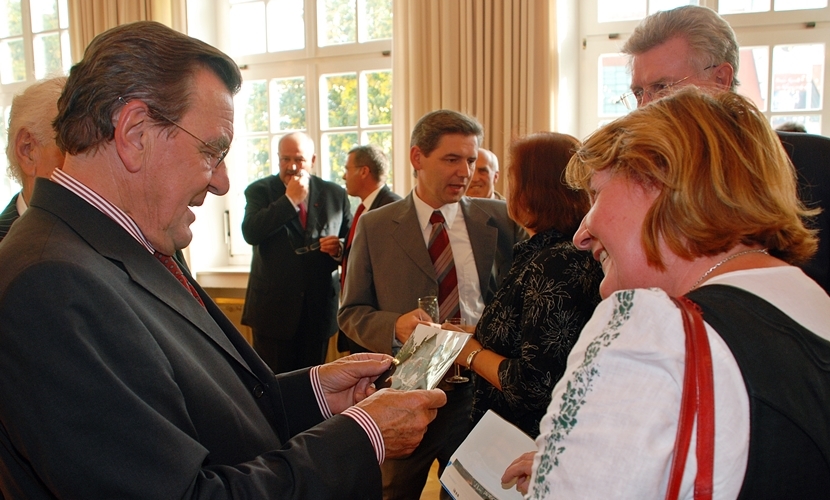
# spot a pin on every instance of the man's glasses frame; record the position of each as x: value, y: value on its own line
x: 216, y: 153
x: 634, y: 99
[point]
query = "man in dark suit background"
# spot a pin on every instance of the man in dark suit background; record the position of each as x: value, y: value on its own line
x: 119, y: 377
x: 390, y: 267
x: 296, y: 223
x: 31, y: 148
x: 365, y: 176
x: 693, y: 45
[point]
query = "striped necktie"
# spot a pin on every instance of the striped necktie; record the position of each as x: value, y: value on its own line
x: 170, y: 263
x: 440, y: 252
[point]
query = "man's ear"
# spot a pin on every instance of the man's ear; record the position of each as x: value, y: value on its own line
x: 132, y: 134
x: 495, y: 177
x: 723, y: 75
x: 415, y: 155
x: 24, y: 149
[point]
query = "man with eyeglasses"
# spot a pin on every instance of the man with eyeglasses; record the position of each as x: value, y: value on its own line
x: 297, y: 224
x: 119, y: 376
x: 693, y: 45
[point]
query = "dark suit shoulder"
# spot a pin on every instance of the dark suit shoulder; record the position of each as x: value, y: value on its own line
x: 8, y: 216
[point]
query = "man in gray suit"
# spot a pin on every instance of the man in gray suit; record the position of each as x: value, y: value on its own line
x: 390, y: 268
x: 365, y: 176
x: 31, y: 148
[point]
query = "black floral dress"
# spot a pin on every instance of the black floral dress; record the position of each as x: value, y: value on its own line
x: 534, y: 320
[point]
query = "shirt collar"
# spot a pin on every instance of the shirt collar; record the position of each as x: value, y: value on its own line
x: 424, y: 211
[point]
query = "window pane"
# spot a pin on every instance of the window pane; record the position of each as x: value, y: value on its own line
x: 48, y: 57
x: 799, y: 4
x: 383, y: 140
x: 11, y: 20
x: 247, y: 28
x: 797, y: 76
x: 341, y: 92
x: 375, y: 19
x: 337, y: 22
x: 253, y: 100
x: 258, y: 157
x: 286, y: 25
x: 335, y: 149
x: 288, y: 104
x: 614, y: 82
x: 66, y: 52
x: 378, y: 97
x: 742, y: 6
x: 810, y: 122
x: 753, y: 75
x: 12, y: 64
x: 655, y: 5
x: 616, y: 10
x: 44, y: 15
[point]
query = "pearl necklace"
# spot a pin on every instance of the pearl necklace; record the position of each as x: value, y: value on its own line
x: 724, y: 261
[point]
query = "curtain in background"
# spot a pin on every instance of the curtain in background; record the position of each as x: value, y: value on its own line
x: 88, y: 18
x: 492, y: 59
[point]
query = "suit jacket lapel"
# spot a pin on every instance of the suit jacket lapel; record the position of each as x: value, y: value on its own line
x: 113, y: 242
x: 407, y: 234
x: 483, y: 239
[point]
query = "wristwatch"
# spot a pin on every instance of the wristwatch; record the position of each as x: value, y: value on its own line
x: 471, y: 357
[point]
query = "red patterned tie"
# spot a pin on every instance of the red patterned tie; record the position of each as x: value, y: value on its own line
x: 303, y: 214
x: 349, y: 245
x: 170, y: 263
x: 440, y: 252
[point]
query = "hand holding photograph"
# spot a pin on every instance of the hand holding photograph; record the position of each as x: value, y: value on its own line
x: 424, y: 359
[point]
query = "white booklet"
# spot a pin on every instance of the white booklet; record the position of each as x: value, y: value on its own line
x: 476, y: 467
x: 424, y: 359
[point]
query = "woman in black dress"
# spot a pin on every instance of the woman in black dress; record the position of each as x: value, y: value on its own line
x: 523, y: 338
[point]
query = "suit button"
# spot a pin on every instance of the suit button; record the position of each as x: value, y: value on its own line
x: 259, y: 391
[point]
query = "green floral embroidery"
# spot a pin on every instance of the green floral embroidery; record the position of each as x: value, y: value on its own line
x: 577, y: 389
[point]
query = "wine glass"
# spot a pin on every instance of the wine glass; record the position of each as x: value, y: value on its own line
x: 456, y: 377
x: 429, y: 305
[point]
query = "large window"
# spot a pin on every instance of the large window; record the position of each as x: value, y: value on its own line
x: 782, y: 58
x: 316, y: 66
x: 34, y: 44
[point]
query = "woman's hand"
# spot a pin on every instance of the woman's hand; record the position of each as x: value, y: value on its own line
x: 519, y: 471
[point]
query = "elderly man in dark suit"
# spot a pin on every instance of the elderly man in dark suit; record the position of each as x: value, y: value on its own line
x: 297, y: 223
x: 693, y: 45
x: 119, y: 377
x: 436, y: 241
x: 31, y: 148
x: 365, y: 176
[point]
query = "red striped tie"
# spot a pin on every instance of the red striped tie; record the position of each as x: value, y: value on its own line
x: 440, y: 252
x: 349, y: 245
x: 174, y: 268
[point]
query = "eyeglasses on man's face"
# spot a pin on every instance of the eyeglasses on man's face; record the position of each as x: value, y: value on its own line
x: 215, y: 153
x: 218, y: 155
x: 636, y: 98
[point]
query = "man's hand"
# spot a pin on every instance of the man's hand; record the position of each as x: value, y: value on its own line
x: 331, y: 245
x: 297, y: 187
x: 403, y: 416
x: 407, y: 322
x: 520, y: 471
x: 348, y: 380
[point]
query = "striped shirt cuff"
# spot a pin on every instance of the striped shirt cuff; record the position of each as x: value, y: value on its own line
x: 357, y: 414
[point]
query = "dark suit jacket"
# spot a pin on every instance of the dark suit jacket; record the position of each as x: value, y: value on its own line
x: 810, y: 155
x: 390, y: 266
x: 281, y: 282
x: 385, y: 196
x: 8, y: 216
x: 116, y: 383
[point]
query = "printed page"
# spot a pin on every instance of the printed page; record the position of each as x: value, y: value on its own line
x: 476, y: 467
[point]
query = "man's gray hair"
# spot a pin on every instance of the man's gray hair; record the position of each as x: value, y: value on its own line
x: 373, y: 157
x: 34, y: 110
x: 711, y: 38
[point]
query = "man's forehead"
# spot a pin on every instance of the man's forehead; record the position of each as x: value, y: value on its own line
x: 667, y: 62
